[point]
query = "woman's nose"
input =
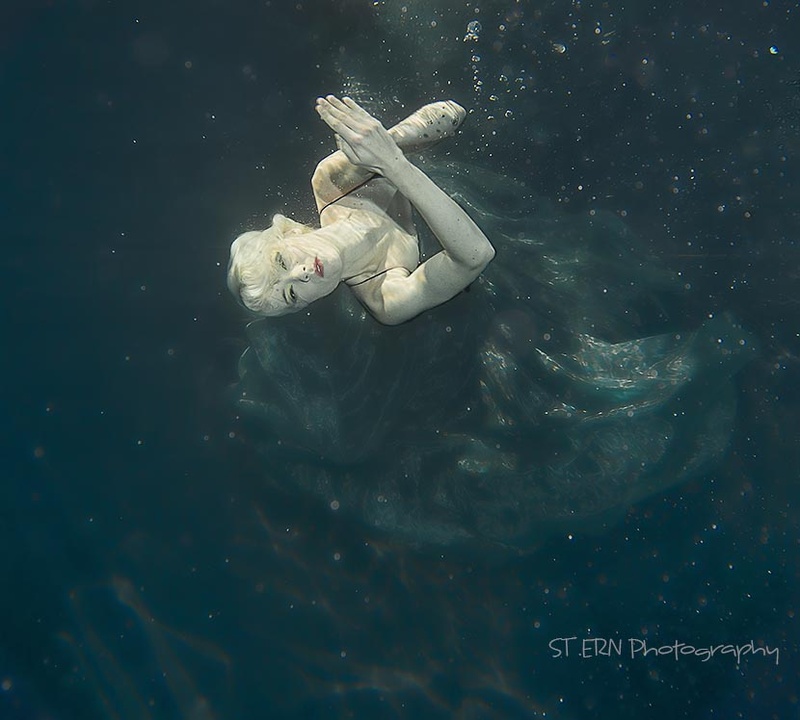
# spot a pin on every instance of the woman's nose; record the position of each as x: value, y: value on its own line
x: 301, y: 273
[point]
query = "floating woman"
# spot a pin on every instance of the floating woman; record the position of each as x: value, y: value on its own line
x: 562, y: 389
x: 364, y: 194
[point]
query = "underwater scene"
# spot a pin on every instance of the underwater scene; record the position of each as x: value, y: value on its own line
x: 539, y: 459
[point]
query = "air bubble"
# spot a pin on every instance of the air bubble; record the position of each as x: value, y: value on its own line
x: 473, y: 32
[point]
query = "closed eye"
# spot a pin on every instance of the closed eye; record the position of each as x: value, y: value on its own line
x: 281, y: 261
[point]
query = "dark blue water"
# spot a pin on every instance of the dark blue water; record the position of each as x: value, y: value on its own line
x: 148, y: 571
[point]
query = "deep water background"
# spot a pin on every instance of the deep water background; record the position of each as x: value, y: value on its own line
x: 147, y: 570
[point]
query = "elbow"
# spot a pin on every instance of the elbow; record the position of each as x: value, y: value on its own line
x: 395, y: 313
x: 483, y: 257
x: 398, y: 317
x: 388, y: 320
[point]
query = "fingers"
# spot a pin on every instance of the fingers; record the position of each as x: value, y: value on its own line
x: 356, y: 108
x: 338, y: 127
x: 344, y: 146
x: 332, y: 114
x: 346, y: 111
x: 346, y: 105
x: 331, y: 105
x: 337, y: 103
x: 349, y: 153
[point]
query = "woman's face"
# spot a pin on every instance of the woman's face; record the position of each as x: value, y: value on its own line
x: 305, y: 270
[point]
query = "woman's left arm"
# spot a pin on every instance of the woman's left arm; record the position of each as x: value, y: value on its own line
x: 466, y: 251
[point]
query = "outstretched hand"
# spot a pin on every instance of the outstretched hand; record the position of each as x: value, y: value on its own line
x: 363, y: 140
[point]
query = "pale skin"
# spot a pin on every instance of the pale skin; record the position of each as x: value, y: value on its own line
x: 364, y: 193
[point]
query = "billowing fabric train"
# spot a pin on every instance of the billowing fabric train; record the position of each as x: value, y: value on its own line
x: 562, y: 387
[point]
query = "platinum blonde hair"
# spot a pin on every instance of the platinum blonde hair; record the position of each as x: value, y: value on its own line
x: 251, y: 267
